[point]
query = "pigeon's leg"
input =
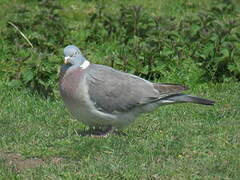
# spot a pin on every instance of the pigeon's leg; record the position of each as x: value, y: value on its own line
x: 97, y: 131
x: 109, y: 130
x: 102, y: 132
x: 114, y: 130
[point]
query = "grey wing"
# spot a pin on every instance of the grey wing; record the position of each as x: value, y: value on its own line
x: 115, y: 91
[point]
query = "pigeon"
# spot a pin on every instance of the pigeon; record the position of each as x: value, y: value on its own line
x: 106, y: 99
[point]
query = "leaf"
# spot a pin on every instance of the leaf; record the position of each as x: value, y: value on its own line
x: 208, y: 49
x: 27, y: 76
x: 14, y: 83
x: 214, y: 37
x: 195, y: 29
x: 225, y: 52
x: 235, y: 67
x: 167, y: 52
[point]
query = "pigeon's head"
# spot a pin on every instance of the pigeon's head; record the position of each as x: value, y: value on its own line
x: 73, y: 55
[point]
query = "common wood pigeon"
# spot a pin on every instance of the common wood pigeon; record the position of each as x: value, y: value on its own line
x: 107, y: 99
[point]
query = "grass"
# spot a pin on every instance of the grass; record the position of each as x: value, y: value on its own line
x: 38, y: 138
x: 175, y: 142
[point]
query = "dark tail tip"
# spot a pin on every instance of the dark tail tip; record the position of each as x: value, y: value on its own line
x: 199, y: 100
x: 181, y: 98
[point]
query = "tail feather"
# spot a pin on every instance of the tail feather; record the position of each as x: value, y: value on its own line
x: 182, y: 98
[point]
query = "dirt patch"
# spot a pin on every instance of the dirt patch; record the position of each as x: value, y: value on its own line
x: 57, y: 160
x: 19, y: 162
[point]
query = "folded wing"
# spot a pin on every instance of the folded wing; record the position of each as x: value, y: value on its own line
x: 115, y: 91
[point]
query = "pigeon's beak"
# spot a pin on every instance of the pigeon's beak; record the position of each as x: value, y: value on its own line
x: 66, y: 59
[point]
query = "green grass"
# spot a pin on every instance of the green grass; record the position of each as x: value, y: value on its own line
x: 175, y: 142
x: 38, y: 138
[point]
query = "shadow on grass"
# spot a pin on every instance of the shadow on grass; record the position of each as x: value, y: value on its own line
x: 99, y: 132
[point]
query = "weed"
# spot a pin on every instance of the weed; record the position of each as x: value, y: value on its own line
x: 150, y: 45
x: 35, y: 67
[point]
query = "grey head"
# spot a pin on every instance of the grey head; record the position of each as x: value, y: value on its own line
x: 73, y: 55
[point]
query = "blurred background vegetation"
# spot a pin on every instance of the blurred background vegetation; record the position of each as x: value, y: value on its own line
x: 184, y: 41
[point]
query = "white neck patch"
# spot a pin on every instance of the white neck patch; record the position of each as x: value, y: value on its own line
x: 85, y: 64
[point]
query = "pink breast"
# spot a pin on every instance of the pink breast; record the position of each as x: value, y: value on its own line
x: 70, y: 82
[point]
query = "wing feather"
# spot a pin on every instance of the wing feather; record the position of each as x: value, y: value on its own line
x: 115, y: 91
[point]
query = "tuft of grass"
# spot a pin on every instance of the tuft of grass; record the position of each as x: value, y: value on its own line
x: 183, y: 141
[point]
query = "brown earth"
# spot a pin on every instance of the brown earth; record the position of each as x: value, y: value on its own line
x: 19, y: 163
